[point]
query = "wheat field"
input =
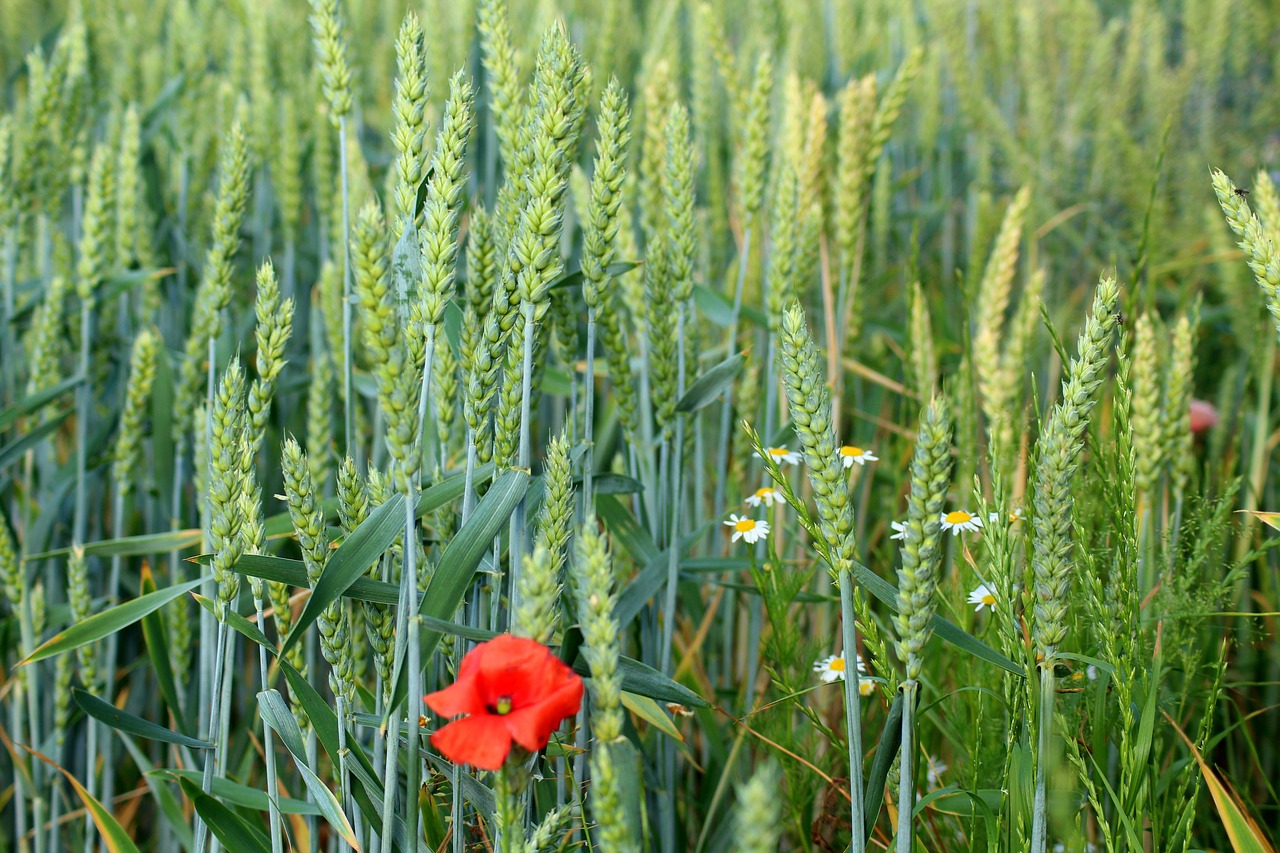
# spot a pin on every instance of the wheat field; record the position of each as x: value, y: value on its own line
x: 664, y: 425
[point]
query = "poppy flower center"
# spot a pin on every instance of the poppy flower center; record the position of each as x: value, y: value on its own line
x: 501, y: 707
x: 744, y: 525
x: 958, y: 517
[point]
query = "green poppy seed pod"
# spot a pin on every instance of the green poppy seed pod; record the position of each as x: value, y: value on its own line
x: 921, y: 556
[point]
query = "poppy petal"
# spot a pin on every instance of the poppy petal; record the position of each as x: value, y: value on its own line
x: 531, y: 726
x: 461, y: 697
x: 481, y: 741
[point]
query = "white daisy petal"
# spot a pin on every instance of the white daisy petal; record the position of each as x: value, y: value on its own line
x: 983, y: 596
x: 900, y: 529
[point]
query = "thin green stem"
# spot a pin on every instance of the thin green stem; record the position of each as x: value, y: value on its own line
x: 588, y: 418
x: 1040, y: 811
x: 212, y: 756
x: 349, y: 402
x: 852, y: 709
x: 268, y: 746
x: 906, y: 784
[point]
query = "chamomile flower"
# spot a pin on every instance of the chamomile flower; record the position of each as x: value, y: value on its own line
x: 766, y: 495
x: 958, y: 520
x: 1013, y: 518
x: 850, y: 454
x: 781, y: 455
x: 866, y: 686
x: 747, y: 528
x: 899, y: 529
x: 832, y: 669
x: 983, y: 596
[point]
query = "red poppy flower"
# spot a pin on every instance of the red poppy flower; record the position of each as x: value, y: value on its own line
x: 1203, y: 416
x: 515, y: 690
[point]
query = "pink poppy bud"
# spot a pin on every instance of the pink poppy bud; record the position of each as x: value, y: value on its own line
x: 1203, y: 416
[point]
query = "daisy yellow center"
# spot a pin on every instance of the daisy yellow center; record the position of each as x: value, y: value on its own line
x: 778, y: 451
x: 958, y: 517
x: 836, y: 665
x: 743, y: 525
x: 988, y: 599
x: 765, y: 492
x: 850, y: 450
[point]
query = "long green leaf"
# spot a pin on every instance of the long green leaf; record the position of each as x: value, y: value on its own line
x: 132, y: 546
x: 156, y: 635
x: 294, y: 573
x: 113, y: 835
x: 890, y: 743
x: 325, y: 723
x: 108, y: 622
x: 33, y: 402
x: 574, y: 277
x: 242, y: 625
x: 169, y: 805
x: 19, y: 446
x: 276, y: 714
x: 360, y: 550
x: 711, y: 385
x: 458, y: 563
x: 234, y: 832
x: 102, y: 710
x: 241, y: 795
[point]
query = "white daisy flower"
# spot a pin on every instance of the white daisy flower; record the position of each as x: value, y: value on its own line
x: 832, y: 669
x: 1014, y: 517
x: 1091, y: 671
x: 936, y: 768
x: 983, y: 596
x: 958, y: 520
x: 866, y: 686
x: 899, y: 529
x: 850, y: 454
x: 766, y: 495
x: 747, y: 528
x: 781, y: 455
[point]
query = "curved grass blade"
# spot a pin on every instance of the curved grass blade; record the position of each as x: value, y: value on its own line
x: 294, y: 573
x: 156, y: 636
x: 458, y: 562
x: 277, y: 714
x: 240, y: 623
x: 33, y: 402
x: 132, y: 546
x: 114, y: 838
x: 711, y: 385
x: 890, y: 742
x: 360, y: 550
x: 108, y: 622
x: 102, y: 710
x: 169, y: 805
x: 232, y: 830
x: 241, y: 795
x: 19, y: 446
